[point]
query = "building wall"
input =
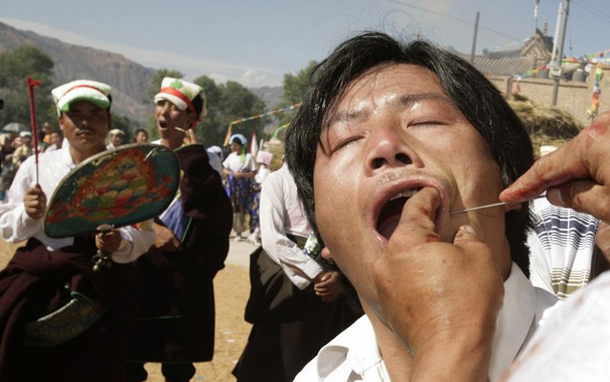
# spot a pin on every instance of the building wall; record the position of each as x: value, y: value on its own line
x: 572, y: 96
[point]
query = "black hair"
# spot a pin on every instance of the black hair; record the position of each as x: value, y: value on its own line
x: 198, y: 105
x: 477, y: 98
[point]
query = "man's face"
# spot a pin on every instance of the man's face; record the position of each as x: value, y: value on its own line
x: 169, y: 117
x: 393, y: 132
x: 56, y: 139
x: 85, y: 126
x: 116, y: 139
x: 141, y: 137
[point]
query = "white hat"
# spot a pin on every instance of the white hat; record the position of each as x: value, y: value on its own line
x: 116, y: 132
x: 81, y: 90
x: 182, y: 93
x: 238, y: 137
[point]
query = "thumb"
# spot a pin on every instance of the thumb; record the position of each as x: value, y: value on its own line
x: 465, y: 233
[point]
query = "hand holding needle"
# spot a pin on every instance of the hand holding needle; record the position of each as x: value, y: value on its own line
x: 490, y: 206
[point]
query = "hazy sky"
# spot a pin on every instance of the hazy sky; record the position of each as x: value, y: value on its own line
x: 256, y: 42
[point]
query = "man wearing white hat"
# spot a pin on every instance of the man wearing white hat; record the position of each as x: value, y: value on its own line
x: 49, y: 277
x: 175, y: 278
x: 115, y: 139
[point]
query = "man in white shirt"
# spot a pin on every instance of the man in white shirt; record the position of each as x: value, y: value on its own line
x: 54, y: 277
x: 287, y: 332
x: 392, y: 142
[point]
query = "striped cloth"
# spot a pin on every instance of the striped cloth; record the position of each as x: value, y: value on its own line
x: 561, y: 248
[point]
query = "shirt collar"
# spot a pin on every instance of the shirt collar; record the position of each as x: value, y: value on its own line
x: 66, y: 157
x: 357, y: 345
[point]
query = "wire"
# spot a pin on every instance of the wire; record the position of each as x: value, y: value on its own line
x: 594, y: 11
x: 454, y: 18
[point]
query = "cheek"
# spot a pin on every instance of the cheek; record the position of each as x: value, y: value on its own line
x: 336, y: 203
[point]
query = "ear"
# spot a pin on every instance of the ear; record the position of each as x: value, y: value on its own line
x: 60, y: 121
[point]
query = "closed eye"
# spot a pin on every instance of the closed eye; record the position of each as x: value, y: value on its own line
x: 425, y: 123
x: 344, y: 143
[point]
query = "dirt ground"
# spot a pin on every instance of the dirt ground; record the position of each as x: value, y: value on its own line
x: 232, y: 288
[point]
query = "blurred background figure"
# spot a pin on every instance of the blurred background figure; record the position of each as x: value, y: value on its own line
x: 239, y: 167
x: 141, y: 136
x: 7, y: 170
x: 216, y: 158
x: 263, y: 159
x: 24, y: 150
x: 115, y: 139
x: 47, y: 130
x: 57, y: 138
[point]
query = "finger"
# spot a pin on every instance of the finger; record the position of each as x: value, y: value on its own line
x: 584, y: 157
x: 416, y: 225
x: 583, y: 196
x: 552, y: 169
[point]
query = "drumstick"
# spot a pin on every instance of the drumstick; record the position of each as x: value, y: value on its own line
x: 31, y: 84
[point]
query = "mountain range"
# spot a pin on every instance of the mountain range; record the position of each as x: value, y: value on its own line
x: 128, y: 79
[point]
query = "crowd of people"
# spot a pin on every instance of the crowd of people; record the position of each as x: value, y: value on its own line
x: 369, y: 262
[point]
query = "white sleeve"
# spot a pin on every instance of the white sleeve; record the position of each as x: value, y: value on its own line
x: 300, y: 268
x: 135, y: 242
x: 15, y: 224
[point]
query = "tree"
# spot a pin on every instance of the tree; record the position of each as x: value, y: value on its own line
x: 296, y: 88
x: 15, y: 67
x: 239, y: 102
x: 209, y: 129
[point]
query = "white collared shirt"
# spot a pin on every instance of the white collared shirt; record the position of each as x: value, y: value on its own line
x: 281, y: 213
x: 16, y: 225
x: 354, y: 354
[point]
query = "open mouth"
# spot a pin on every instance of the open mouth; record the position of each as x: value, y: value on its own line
x: 391, y: 212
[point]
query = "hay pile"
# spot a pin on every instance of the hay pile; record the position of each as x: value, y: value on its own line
x: 546, y: 125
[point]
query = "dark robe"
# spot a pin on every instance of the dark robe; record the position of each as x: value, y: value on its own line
x: 289, y: 325
x: 176, y: 292
x: 37, y: 282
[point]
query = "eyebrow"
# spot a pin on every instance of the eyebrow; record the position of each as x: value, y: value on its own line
x: 404, y: 100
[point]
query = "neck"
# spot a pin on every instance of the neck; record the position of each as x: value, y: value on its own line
x: 396, y: 357
x: 79, y: 156
x: 173, y: 143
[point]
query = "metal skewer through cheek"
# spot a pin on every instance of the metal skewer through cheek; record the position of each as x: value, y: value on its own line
x: 483, y: 207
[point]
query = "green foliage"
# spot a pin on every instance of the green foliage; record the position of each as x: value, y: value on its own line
x: 237, y: 102
x: 15, y: 67
x: 296, y: 88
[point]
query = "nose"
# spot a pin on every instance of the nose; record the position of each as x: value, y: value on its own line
x: 388, y: 147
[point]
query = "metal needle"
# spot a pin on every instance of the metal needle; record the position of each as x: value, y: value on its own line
x: 490, y: 206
